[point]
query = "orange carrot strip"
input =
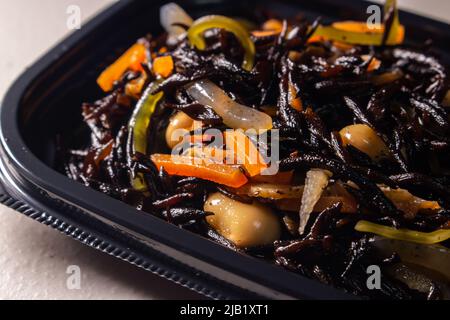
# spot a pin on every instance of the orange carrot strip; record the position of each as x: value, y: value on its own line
x: 294, y: 100
x: 163, y: 66
x: 316, y: 39
x: 130, y: 60
x: 196, y: 167
x: 273, y: 25
x: 264, y: 33
x: 245, y: 152
x: 104, y: 153
x: 362, y: 27
x: 134, y: 88
x: 374, y: 63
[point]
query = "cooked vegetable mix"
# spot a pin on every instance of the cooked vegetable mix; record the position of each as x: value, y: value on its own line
x: 354, y: 121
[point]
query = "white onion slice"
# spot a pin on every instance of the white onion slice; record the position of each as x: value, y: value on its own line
x: 172, y: 13
x: 234, y: 115
x: 315, y: 183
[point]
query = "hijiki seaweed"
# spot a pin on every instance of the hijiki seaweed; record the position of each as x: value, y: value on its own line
x: 324, y: 96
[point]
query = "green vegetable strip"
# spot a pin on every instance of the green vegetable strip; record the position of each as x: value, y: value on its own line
x: 360, y: 38
x: 363, y: 38
x: 395, y: 24
x: 139, y: 125
x: 403, y: 234
x: 195, y: 35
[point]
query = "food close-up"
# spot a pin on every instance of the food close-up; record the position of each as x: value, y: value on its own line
x: 244, y: 152
x: 362, y: 144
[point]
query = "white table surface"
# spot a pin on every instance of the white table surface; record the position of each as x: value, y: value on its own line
x: 34, y: 258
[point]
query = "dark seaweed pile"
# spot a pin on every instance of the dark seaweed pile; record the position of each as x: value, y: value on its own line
x: 402, y: 101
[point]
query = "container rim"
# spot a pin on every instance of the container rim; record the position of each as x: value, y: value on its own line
x: 32, y: 169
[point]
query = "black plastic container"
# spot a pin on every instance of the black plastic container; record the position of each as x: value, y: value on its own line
x: 46, y: 100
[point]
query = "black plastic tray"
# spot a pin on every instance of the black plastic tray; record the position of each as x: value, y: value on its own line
x: 46, y: 100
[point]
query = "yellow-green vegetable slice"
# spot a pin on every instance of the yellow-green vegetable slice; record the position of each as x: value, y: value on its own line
x: 196, y: 38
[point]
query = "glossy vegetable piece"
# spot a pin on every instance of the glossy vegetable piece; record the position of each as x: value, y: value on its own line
x: 234, y: 115
x: 179, y: 121
x: 270, y: 28
x: 138, y: 128
x: 163, y: 66
x: 397, y: 31
x: 130, y: 60
x: 403, y: 234
x: 374, y: 63
x: 365, y: 139
x: 273, y: 25
x: 245, y: 225
x: 315, y: 183
x: 294, y: 99
x: 186, y: 166
x: 172, y: 14
x: 354, y: 32
x: 408, y: 203
x: 134, y: 87
x: 271, y: 191
x: 195, y: 35
x: 245, y: 152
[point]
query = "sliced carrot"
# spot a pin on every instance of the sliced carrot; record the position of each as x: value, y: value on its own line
x: 363, y: 27
x: 273, y: 25
x: 409, y: 203
x: 316, y: 39
x: 185, y: 166
x: 163, y: 66
x: 294, y: 100
x: 357, y: 32
x: 374, y: 63
x: 103, y: 153
x: 132, y: 59
x: 264, y: 33
x: 245, y: 152
x: 358, y: 26
x: 134, y: 88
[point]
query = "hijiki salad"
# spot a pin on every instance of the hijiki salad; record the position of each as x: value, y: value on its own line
x: 362, y: 137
